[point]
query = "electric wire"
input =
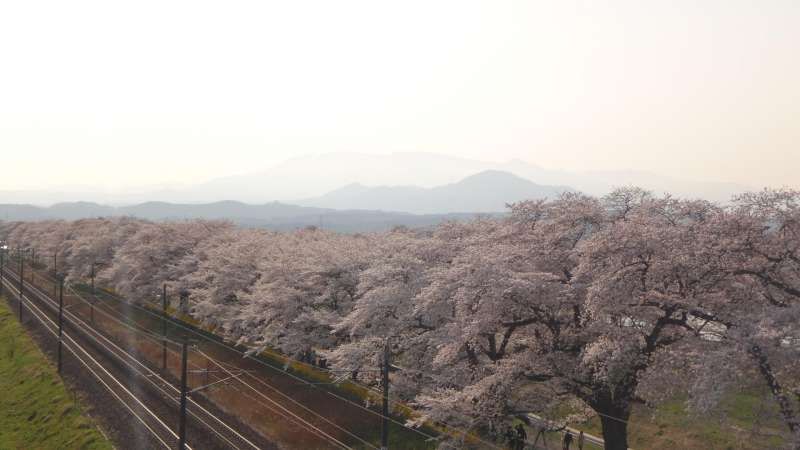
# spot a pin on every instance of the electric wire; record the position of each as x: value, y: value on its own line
x: 275, y: 403
x: 36, y: 312
x: 85, y: 327
x: 269, y: 366
x: 324, y: 435
x: 288, y: 358
x: 271, y: 387
x: 278, y: 391
x: 303, y: 381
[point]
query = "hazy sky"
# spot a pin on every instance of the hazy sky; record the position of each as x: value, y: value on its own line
x: 126, y: 93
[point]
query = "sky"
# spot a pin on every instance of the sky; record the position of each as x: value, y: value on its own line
x: 117, y: 94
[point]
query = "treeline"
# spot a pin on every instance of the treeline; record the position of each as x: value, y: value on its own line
x: 599, y: 302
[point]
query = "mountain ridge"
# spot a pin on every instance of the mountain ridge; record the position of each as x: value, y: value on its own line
x: 326, y: 172
x: 392, y: 206
x: 308, y: 177
x: 274, y: 216
x: 484, y: 192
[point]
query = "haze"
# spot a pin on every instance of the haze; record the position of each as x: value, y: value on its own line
x: 123, y: 95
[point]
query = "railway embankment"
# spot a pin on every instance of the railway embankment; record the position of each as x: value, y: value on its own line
x: 39, y: 410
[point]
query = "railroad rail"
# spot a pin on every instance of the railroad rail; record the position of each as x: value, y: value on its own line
x: 121, y: 373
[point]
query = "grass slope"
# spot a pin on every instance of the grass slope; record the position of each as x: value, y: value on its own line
x: 37, y: 411
x: 746, y: 420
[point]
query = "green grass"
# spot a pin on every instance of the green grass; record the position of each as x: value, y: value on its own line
x: 670, y: 426
x: 37, y: 410
x: 747, y: 418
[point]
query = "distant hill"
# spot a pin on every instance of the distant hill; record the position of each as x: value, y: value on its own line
x: 311, y: 177
x: 353, y: 208
x: 274, y: 216
x: 79, y: 210
x: 23, y: 212
x: 218, y: 210
x: 315, y: 175
x: 487, y: 191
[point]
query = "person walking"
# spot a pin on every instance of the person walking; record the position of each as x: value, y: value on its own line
x: 522, y: 436
x: 581, y: 440
x: 567, y: 442
x: 511, y: 437
x: 540, y: 434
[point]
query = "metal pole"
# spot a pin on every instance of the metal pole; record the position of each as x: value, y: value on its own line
x: 2, y: 267
x: 21, y: 281
x: 182, y: 422
x: 60, y: 317
x: 55, y: 272
x: 91, y: 300
x: 164, y: 327
x: 385, y: 406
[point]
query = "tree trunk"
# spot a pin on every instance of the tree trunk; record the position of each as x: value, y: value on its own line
x: 614, y: 413
x: 785, y: 405
x: 615, y: 432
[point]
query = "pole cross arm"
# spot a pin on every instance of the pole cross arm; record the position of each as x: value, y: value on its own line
x: 224, y: 380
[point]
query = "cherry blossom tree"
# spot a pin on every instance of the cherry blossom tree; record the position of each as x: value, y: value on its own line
x: 158, y: 253
x: 383, y: 312
x: 91, y: 245
x: 228, y: 267
x: 764, y: 255
x: 579, y: 296
x: 308, y: 283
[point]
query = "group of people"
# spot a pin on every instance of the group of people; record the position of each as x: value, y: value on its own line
x: 567, y: 441
x: 517, y: 438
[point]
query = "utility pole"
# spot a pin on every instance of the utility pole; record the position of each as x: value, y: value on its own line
x: 164, y: 327
x: 92, y: 279
x: 2, y: 265
x: 21, y: 281
x: 182, y: 420
x: 60, y: 317
x: 55, y: 272
x: 385, y: 406
x: 91, y: 300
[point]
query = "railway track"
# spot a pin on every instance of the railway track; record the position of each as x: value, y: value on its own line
x: 149, y: 398
x: 305, y: 412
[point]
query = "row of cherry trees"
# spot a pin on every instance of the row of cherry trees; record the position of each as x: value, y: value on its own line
x: 597, y: 303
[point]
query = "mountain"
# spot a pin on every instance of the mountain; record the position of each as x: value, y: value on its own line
x: 311, y: 177
x: 232, y: 210
x: 487, y: 191
x: 22, y: 212
x: 79, y: 210
x: 353, y: 208
x: 274, y: 216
